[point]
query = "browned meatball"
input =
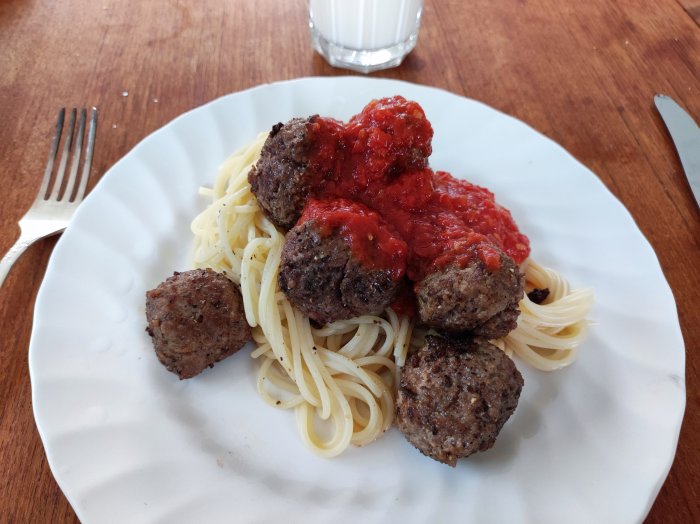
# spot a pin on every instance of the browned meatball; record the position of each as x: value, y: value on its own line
x: 324, y: 281
x: 300, y: 157
x: 455, y: 396
x: 195, y: 319
x: 472, y: 298
x: 283, y: 179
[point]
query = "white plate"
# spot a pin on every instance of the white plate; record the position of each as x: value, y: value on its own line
x: 129, y: 442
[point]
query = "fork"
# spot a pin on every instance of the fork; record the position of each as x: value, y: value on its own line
x: 51, y: 211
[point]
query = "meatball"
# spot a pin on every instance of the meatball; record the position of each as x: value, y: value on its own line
x: 390, y: 136
x: 455, y: 396
x: 282, y: 179
x: 195, y: 318
x: 472, y: 299
x: 394, y: 132
x: 321, y: 277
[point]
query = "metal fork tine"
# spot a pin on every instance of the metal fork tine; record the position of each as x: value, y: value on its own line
x: 75, y: 161
x: 52, y: 154
x: 88, y: 156
x: 68, y: 140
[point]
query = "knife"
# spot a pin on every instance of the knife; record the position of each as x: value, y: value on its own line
x: 685, y: 134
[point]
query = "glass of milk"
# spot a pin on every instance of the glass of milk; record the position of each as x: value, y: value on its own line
x: 364, y: 35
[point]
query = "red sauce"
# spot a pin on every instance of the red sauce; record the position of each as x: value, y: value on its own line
x: 417, y: 218
x: 372, y: 240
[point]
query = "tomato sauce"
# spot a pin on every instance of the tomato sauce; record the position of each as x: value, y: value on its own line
x: 375, y: 186
x: 372, y: 240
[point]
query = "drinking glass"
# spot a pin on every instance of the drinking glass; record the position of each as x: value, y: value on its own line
x: 364, y: 35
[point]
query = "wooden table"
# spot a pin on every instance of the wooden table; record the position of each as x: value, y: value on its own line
x: 583, y: 73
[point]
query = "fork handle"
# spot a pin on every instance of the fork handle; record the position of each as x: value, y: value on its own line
x: 11, y: 257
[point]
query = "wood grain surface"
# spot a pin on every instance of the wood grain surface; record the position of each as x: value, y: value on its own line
x: 582, y: 73
x: 693, y: 8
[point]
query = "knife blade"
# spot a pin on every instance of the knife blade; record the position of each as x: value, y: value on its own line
x: 685, y: 134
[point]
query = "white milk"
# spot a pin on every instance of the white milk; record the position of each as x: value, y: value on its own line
x: 365, y: 24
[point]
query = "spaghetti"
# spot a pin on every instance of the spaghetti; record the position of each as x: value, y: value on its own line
x: 341, y: 379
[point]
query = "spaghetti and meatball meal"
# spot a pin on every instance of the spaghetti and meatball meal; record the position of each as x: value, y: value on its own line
x: 376, y: 290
